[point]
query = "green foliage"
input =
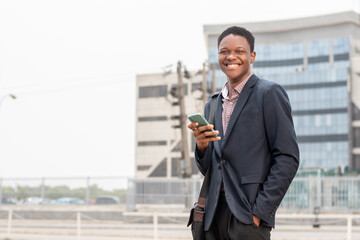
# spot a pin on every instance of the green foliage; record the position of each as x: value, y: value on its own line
x: 8, y: 190
x: 55, y: 192
x: 24, y: 192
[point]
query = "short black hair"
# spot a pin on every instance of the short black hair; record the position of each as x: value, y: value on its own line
x: 238, y: 31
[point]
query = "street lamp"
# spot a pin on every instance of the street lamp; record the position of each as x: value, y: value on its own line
x: 1, y: 102
x: 10, y: 95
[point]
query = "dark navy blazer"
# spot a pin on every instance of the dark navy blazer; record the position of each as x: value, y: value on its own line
x: 258, y: 157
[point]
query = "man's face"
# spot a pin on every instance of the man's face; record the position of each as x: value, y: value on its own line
x: 235, y: 57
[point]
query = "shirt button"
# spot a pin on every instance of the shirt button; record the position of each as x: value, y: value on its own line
x: 222, y: 161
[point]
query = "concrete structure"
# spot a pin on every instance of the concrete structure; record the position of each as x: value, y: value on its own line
x: 317, y: 60
x: 158, y: 137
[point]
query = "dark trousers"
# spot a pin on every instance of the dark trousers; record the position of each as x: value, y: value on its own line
x: 225, y: 226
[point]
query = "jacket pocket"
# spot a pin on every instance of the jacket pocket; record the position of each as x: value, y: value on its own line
x: 252, y: 179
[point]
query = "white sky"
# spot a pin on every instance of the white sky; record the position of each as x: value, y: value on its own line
x: 72, y: 66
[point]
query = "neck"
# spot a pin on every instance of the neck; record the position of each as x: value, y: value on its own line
x: 232, y: 86
x: 233, y: 83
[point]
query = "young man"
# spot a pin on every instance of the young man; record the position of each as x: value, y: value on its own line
x: 256, y: 156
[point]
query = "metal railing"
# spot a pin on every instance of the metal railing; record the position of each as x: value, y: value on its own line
x: 345, y: 226
x: 327, y: 193
x: 62, y: 191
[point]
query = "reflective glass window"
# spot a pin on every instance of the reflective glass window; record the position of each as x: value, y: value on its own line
x: 318, y: 48
x: 327, y: 155
x: 341, y: 45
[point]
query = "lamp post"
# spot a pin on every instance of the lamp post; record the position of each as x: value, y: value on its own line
x: 10, y: 95
x: 1, y: 102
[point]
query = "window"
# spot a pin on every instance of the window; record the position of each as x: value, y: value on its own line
x: 317, y: 120
x: 160, y: 170
x: 276, y: 63
x: 318, y: 48
x: 143, y: 167
x: 213, y: 56
x: 355, y: 112
x: 328, y: 120
x: 279, y: 52
x: 196, y: 86
x: 151, y: 143
x: 154, y: 118
x: 153, y: 91
x: 341, y: 45
x: 356, y: 136
x: 174, y: 88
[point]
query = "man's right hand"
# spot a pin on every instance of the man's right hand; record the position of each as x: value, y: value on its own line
x: 200, y: 133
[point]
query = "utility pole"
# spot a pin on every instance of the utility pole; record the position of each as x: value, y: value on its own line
x: 184, y: 140
x: 204, y: 85
x: 213, y: 79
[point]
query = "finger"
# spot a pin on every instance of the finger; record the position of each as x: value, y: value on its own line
x: 213, y: 139
x: 211, y: 133
x: 193, y: 125
x: 205, y: 141
x: 200, y: 135
x: 206, y: 127
x: 197, y: 133
x: 205, y: 136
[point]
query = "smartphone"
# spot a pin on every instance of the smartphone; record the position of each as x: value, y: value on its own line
x: 197, y: 117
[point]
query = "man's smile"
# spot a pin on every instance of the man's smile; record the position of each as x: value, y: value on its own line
x: 232, y: 65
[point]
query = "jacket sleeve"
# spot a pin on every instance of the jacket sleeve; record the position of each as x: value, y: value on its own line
x: 203, y: 160
x: 284, y: 150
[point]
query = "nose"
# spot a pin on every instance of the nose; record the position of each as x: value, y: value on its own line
x: 231, y: 55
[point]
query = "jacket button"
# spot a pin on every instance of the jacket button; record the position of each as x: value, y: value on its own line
x: 222, y: 161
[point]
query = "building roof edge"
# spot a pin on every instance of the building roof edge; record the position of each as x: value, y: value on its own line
x: 289, y: 24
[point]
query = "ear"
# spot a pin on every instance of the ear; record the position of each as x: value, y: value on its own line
x: 252, y: 57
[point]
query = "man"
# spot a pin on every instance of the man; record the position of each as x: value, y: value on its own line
x: 256, y: 156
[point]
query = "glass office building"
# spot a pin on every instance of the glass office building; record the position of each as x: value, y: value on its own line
x: 315, y: 60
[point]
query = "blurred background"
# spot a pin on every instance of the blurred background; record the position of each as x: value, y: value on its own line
x: 93, y: 103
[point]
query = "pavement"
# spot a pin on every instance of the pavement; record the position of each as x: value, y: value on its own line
x: 59, y: 230
x: 171, y: 226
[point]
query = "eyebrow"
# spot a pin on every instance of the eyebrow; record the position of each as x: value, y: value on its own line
x: 225, y: 48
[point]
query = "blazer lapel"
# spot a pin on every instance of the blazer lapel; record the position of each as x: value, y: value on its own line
x: 218, y: 124
x: 244, y: 95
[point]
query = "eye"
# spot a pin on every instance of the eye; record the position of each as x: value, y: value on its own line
x: 224, y: 52
x: 239, y: 52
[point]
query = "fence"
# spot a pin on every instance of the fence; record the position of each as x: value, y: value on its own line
x: 327, y: 193
x: 158, y: 225
x: 63, y: 191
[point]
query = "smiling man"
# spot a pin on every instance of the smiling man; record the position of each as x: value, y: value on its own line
x: 256, y: 155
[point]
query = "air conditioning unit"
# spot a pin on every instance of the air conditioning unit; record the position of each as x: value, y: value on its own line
x: 299, y: 69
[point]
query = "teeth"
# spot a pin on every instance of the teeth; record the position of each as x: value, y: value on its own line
x: 232, y: 66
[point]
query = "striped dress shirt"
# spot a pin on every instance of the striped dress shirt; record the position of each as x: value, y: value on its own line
x: 228, y: 104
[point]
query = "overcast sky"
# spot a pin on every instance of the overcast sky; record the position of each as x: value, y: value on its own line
x: 72, y: 65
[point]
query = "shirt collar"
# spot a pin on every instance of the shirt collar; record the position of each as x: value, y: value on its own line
x: 238, y: 88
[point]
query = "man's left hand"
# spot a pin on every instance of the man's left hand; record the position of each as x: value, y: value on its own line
x: 256, y: 220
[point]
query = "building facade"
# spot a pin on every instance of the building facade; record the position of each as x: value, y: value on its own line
x: 158, y: 136
x: 317, y: 61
